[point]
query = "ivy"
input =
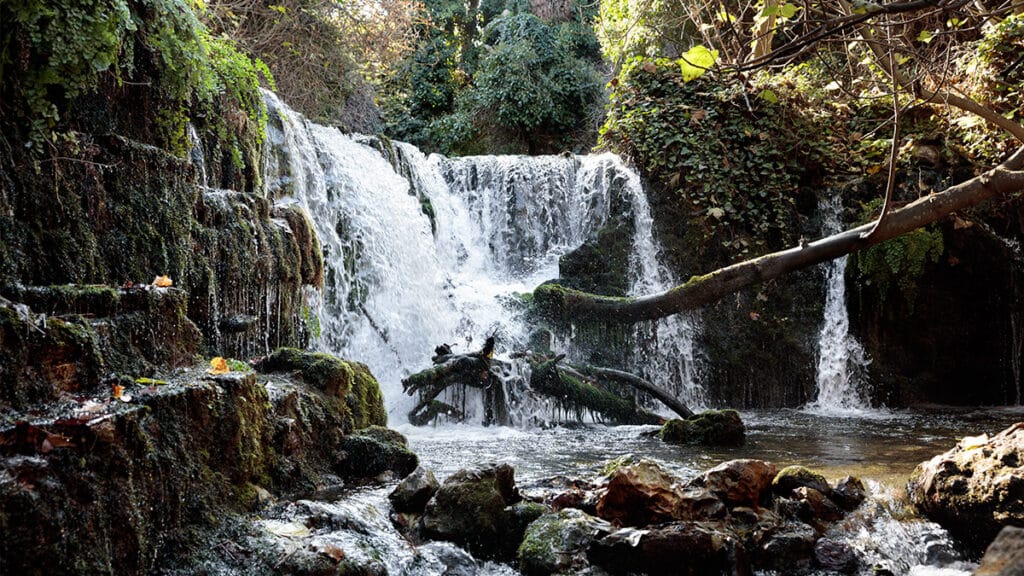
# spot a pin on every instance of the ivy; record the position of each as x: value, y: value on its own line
x: 735, y: 160
x: 54, y: 51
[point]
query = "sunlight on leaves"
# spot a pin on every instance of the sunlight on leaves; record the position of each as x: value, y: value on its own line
x: 696, y: 61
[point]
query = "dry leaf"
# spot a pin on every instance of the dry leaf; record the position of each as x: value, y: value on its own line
x: 754, y: 315
x: 117, y: 391
x: 162, y: 282
x: 286, y: 529
x: 219, y: 366
x: 333, y: 552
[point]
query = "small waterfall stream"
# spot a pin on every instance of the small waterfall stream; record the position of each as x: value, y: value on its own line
x: 841, y: 359
x: 423, y: 250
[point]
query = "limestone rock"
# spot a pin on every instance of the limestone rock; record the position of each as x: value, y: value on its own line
x: 975, y: 489
x: 414, y: 491
x: 737, y: 482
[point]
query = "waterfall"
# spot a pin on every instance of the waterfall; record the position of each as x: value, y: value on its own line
x: 422, y: 250
x: 841, y: 359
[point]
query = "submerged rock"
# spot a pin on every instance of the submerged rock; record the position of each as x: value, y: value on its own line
x: 710, y: 428
x: 557, y: 542
x: 975, y: 489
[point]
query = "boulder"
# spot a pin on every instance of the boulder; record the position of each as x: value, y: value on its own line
x: 710, y: 428
x: 789, y: 549
x: 558, y: 542
x: 640, y: 494
x: 848, y: 493
x: 823, y: 509
x: 414, y: 491
x: 975, y: 489
x: 678, y: 548
x: 792, y: 477
x: 1005, y: 555
x: 835, y: 556
x: 738, y: 482
x: 474, y: 508
x: 368, y: 456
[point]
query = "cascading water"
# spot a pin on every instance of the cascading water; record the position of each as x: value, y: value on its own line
x: 841, y: 359
x: 433, y: 250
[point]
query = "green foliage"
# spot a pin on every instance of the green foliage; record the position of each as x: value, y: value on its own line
x: 56, y: 51
x: 498, y: 80
x: 734, y: 160
x: 898, y: 263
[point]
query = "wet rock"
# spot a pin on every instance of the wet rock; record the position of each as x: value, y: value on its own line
x: 414, y: 491
x: 976, y: 488
x: 557, y: 542
x: 789, y: 549
x: 356, y: 391
x: 473, y: 509
x: 640, y: 494
x: 792, y: 477
x: 710, y: 428
x: 738, y: 482
x: 848, y: 493
x: 823, y: 509
x: 835, y: 556
x: 238, y: 323
x: 1005, y: 555
x: 367, y: 456
x: 679, y: 548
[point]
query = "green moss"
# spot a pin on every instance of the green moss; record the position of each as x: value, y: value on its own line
x: 710, y: 428
x: 793, y: 477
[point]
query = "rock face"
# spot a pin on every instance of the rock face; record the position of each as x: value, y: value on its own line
x: 976, y: 488
x: 107, y: 485
x: 710, y: 428
x: 477, y: 509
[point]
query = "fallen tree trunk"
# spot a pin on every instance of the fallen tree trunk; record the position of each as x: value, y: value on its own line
x: 635, y: 381
x: 575, y: 393
x: 558, y: 302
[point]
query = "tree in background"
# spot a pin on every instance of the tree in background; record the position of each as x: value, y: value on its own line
x: 327, y: 56
x: 500, y: 77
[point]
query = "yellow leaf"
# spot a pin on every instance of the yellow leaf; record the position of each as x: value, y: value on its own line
x: 162, y: 282
x: 116, y: 391
x: 219, y: 366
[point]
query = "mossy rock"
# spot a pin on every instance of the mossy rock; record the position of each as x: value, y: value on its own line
x: 350, y: 383
x: 710, y: 428
x: 557, y: 542
x: 792, y: 477
x: 367, y: 456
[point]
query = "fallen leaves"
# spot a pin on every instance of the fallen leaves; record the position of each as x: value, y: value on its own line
x: 219, y: 366
x: 162, y: 282
x: 286, y: 529
x: 117, y: 392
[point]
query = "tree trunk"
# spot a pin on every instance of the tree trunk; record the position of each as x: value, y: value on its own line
x: 640, y: 384
x: 577, y: 394
x: 560, y: 303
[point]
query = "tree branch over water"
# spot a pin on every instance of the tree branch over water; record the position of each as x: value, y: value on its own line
x: 562, y: 303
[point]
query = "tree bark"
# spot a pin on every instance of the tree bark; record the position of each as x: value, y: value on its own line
x: 577, y: 394
x: 635, y: 381
x: 560, y: 303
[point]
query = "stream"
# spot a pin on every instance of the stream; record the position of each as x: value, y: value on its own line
x: 423, y: 250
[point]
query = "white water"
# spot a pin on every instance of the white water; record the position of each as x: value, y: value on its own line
x: 841, y: 359
x: 395, y: 288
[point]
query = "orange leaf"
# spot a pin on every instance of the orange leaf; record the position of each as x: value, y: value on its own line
x: 116, y: 391
x: 219, y: 366
x: 162, y: 282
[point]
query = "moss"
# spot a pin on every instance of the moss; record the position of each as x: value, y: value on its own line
x: 793, y: 477
x: 368, y: 456
x: 710, y: 428
x: 357, y: 391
